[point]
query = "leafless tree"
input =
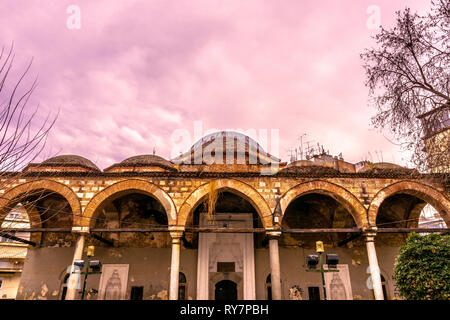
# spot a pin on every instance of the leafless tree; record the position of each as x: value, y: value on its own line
x: 408, y: 75
x: 21, y: 139
x: 23, y: 132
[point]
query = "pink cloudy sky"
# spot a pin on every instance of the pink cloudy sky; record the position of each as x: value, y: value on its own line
x: 138, y: 70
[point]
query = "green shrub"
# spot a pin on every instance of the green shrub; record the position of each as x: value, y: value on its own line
x: 422, y: 268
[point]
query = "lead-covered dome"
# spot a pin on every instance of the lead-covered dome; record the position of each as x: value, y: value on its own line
x: 147, y: 160
x: 68, y: 162
x: 308, y: 166
x: 226, y: 147
x: 140, y: 162
x: 383, y: 167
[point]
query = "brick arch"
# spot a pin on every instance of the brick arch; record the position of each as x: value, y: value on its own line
x: 140, y: 186
x: 340, y: 194
x: 234, y: 186
x: 422, y: 191
x: 18, y: 193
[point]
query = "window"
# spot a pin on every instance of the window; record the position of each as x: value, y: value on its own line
x: 314, y: 293
x: 16, y: 218
x: 269, y: 287
x: 182, y: 286
x: 137, y: 293
x: 13, y: 215
x: 5, y: 239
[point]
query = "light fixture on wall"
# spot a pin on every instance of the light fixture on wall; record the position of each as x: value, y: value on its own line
x: 319, y: 247
x: 95, y: 265
x: 90, y: 251
x: 332, y: 260
x: 92, y: 267
x: 312, y: 260
x: 79, y: 263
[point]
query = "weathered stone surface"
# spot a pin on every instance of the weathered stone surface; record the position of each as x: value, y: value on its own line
x: 178, y: 201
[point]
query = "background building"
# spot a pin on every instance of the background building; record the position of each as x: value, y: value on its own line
x: 13, y: 253
x: 436, y: 124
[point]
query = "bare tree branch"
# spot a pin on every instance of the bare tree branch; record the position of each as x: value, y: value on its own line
x: 408, y: 74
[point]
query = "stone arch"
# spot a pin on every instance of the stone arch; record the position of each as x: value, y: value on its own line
x: 343, y: 196
x: 15, y: 195
x: 138, y: 185
x: 422, y: 191
x: 234, y: 186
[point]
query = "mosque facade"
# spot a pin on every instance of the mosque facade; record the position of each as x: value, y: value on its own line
x: 225, y: 220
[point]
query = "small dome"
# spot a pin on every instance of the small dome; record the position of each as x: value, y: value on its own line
x: 70, y: 161
x: 309, y: 167
x: 382, y: 167
x: 147, y: 160
x: 387, y: 165
x: 304, y: 163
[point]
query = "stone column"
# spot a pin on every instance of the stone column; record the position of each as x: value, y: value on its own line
x: 204, y: 239
x: 373, y: 264
x: 175, y: 264
x: 74, y: 281
x: 275, y: 274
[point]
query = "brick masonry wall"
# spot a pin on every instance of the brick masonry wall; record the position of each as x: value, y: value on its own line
x: 179, y: 190
x: 45, y: 267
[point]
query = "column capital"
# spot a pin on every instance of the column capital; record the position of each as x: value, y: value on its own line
x: 176, y: 232
x: 273, y: 234
x: 176, y: 237
x: 370, y: 229
x: 176, y: 228
x: 80, y: 230
x: 370, y: 233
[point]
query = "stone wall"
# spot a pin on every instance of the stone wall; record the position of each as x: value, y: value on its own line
x: 178, y: 195
x: 45, y: 269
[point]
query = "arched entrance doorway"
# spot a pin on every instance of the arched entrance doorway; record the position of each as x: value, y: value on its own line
x: 226, y: 290
x: 225, y: 256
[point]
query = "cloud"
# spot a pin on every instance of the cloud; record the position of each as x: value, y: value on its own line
x: 136, y: 71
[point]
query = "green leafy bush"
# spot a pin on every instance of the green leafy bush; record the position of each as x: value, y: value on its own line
x: 422, y: 268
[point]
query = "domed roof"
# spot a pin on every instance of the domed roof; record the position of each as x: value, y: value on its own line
x: 304, y: 163
x: 70, y: 160
x: 147, y: 160
x: 225, y: 134
x: 308, y: 166
x: 242, y: 147
x: 382, y: 167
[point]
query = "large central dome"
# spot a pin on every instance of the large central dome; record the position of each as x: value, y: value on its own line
x: 226, y: 135
x: 226, y: 147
